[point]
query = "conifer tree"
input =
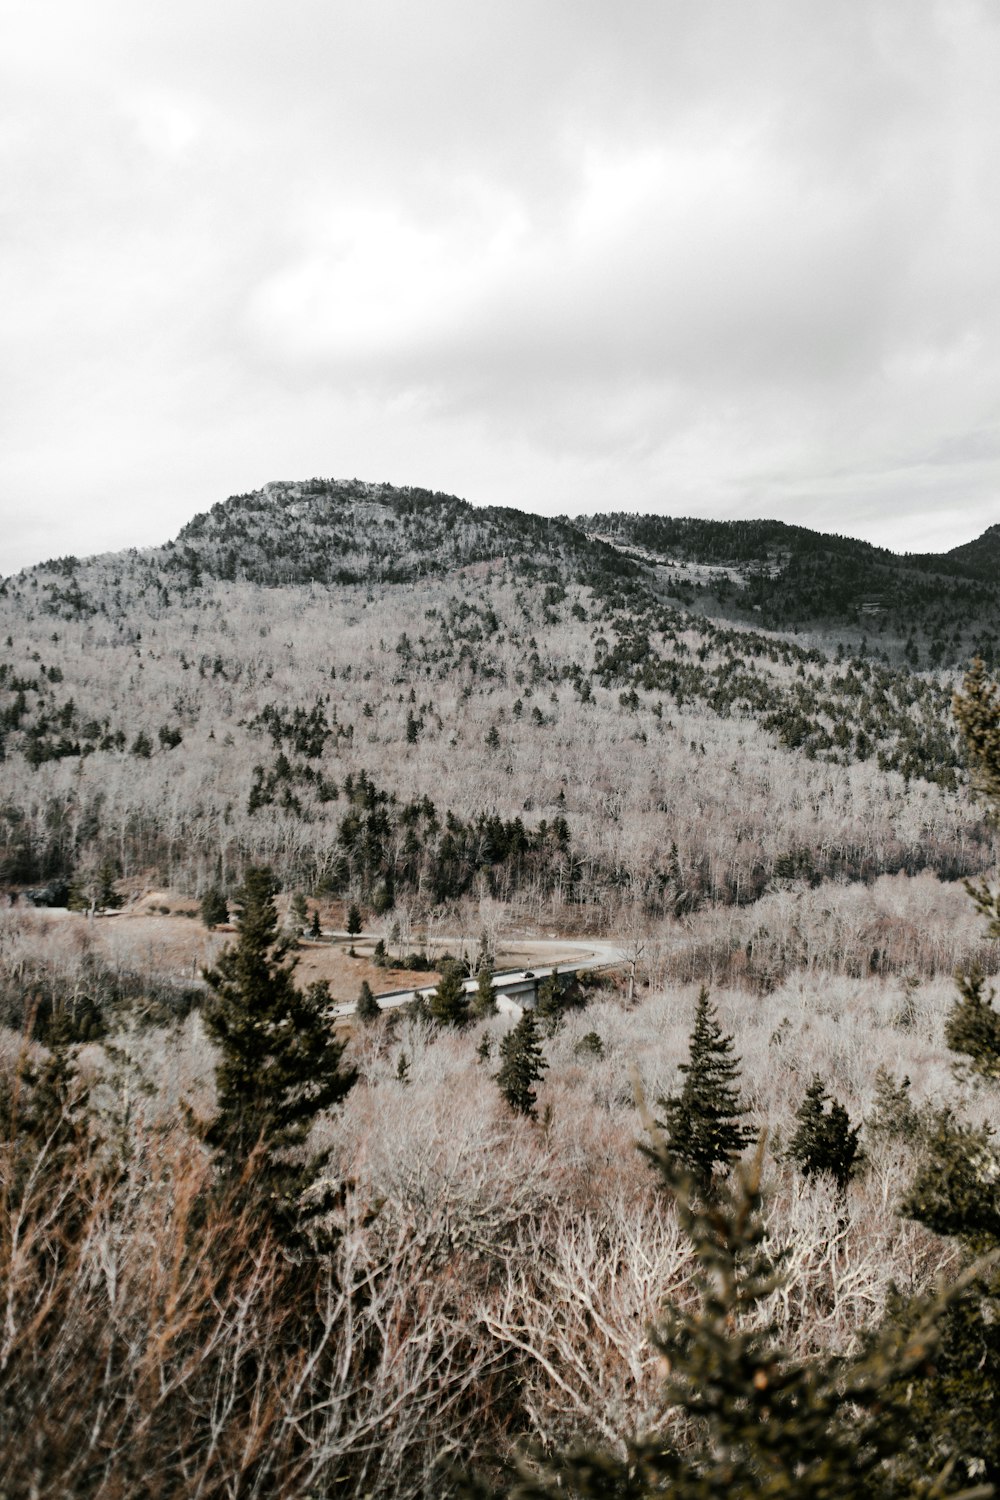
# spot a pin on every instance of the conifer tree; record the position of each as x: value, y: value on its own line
x: 522, y: 1064
x: 702, y: 1122
x: 315, y: 931
x: 214, y: 907
x: 953, y: 1406
x: 354, y: 923
x: 449, y: 1004
x: 485, y: 1001
x: 973, y: 1025
x: 367, y: 1008
x: 280, y: 1061
x: 549, y: 1006
x: 825, y: 1141
x: 743, y: 1417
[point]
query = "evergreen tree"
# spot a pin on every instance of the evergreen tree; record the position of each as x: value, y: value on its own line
x: 367, y: 1008
x: 449, y: 1004
x: 977, y: 712
x: 522, y: 1063
x: 702, y: 1121
x: 744, y: 1418
x: 953, y: 1406
x: 108, y: 899
x: 279, y: 1064
x: 549, y: 1006
x: 485, y: 1000
x: 300, y: 910
x: 893, y: 1116
x: 214, y: 907
x: 315, y: 931
x: 354, y: 923
x: 973, y: 1026
x: 825, y: 1140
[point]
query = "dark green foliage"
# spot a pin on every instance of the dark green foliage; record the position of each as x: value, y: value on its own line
x: 484, y: 1002
x: 973, y: 1026
x: 977, y: 713
x: 953, y: 1405
x: 825, y: 1141
x: 214, y: 907
x: 702, y: 1122
x: 354, y: 923
x: 522, y: 1064
x: 893, y: 1116
x: 557, y: 994
x: 548, y: 1006
x: 315, y: 931
x: 108, y: 898
x: 449, y: 1004
x: 743, y: 1418
x: 142, y: 745
x: 95, y: 891
x: 367, y: 1009
x: 589, y: 1045
x: 279, y: 1064
x: 957, y: 1187
x: 300, y: 911
x: 43, y: 1112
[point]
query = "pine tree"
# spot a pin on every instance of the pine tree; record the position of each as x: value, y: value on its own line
x: 214, y: 907
x: 549, y: 1005
x: 354, y: 923
x: 108, y: 899
x: 743, y: 1417
x: 953, y: 1406
x: 522, y: 1063
x: 973, y: 1026
x: 825, y: 1141
x: 315, y: 931
x: 702, y: 1121
x: 485, y: 1001
x: 449, y: 1004
x: 367, y: 1009
x: 279, y: 1064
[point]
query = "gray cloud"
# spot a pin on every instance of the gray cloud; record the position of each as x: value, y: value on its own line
x: 708, y: 258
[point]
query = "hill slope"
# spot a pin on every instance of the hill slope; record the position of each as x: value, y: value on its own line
x: 388, y: 693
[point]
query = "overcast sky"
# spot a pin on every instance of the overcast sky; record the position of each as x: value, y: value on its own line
x: 697, y: 258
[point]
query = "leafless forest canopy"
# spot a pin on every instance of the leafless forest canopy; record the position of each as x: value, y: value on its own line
x: 730, y: 753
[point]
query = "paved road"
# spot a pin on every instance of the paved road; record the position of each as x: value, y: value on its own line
x: 553, y: 954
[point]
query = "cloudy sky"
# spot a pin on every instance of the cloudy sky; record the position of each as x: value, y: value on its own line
x: 722, y: 259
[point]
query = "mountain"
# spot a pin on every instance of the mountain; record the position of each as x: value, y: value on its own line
x: 981, y: 558
x: 389, y: 693
x: 936, y: 608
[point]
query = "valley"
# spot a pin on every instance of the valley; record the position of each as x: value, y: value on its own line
x: 338, y: 741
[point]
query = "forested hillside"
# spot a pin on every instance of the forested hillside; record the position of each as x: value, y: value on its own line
x: 389, y: 694
x: 255, y: 1242
x: 918, y: 609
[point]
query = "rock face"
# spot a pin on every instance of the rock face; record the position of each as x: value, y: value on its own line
x: 56, y: 893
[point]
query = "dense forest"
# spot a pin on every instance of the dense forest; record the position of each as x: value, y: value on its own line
x: 246, y: 1252
x: 388, y: 693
